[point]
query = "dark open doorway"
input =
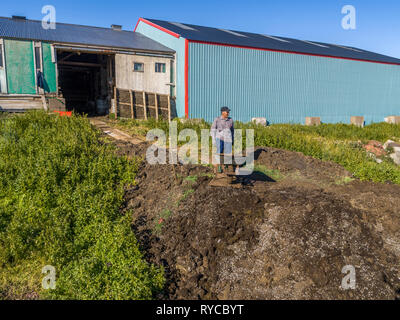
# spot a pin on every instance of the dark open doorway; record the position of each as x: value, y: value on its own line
x: 86, y: 81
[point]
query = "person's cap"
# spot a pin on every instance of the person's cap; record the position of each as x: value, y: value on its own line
x: 225, y: 109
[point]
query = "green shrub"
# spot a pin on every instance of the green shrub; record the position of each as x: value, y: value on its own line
x: 60, y: 195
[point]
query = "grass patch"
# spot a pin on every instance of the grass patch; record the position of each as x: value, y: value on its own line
x: 340, y: 143
x: 191, y: 179
x: 208, y: 175
x: 344, y: 180
x: 185, y: 195
x: 60, y: 194
x: 273, y: 174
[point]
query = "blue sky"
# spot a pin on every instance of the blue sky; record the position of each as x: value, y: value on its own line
x: 378, y: 22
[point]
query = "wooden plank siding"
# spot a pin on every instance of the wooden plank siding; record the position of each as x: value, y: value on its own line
x: 143, y: 105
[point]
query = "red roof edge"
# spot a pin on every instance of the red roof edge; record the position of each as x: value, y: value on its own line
x: 157, y: 27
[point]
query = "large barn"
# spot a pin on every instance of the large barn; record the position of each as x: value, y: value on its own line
x: 75, y: 67
x: 281, y: 79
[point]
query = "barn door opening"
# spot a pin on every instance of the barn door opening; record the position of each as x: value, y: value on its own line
x: 85, y: 81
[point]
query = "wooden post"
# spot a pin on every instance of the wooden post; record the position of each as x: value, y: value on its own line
x: 169, y: 108
x: 156, y: 103
x: 116, y: 102
x: 44, y: 103
x: 144, y: 105
x: 131, y: 96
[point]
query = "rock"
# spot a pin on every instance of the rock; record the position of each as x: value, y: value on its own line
x: 396, y: 157
x: 375, y: 147
x: 391, y: 144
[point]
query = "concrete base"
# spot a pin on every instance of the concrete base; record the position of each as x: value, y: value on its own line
x: 313, y: 121
x: 393, y: 119
x: 357, y: 121
x: 191, y: 121
x: 260, y: 121
x: 56, y: 104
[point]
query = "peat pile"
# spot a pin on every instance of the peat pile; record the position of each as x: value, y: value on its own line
x: 267, y: 240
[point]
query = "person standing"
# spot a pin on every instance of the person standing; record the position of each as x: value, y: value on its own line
x: 223, y: 133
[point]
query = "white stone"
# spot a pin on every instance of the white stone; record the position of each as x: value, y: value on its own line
x: 396, y: 157
x: 396, y: 150
x: 393, y: 119
x: 391, y: 144
x: 261, y: 121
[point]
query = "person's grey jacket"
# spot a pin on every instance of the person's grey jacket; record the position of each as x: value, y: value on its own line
x: 223, y: 129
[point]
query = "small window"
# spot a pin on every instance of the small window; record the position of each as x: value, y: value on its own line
x: 1, y: 56
x: 138, y: 67
x: 38, y: 58
x: 160, y: 67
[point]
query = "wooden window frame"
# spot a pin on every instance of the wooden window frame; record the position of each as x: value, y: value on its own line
x: 38, y: 44
x: 163, y: 69
x: 136, y: 62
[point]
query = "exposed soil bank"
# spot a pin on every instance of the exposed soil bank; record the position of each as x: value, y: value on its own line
x: 267, y: 240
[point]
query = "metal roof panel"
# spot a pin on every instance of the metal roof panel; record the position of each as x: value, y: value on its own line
x: 259, y: 41
x: 78, y: 34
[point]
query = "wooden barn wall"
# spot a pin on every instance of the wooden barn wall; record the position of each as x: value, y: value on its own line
x: 148, y: 80
x: 49, y: 68
x: 144, y: 105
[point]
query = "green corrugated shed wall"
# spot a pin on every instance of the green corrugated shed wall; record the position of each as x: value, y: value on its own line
x: 286, y: 87
x: 20, y: 67
x: 49, y: 68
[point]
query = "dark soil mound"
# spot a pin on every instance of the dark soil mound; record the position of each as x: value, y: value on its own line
x: 288, y: 162
x: 267, y: 240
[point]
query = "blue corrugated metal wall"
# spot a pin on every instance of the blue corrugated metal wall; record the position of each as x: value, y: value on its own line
x: 179, y: 46
x: 285, y: 88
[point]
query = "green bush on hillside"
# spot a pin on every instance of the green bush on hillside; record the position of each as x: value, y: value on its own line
x: 60, y: 195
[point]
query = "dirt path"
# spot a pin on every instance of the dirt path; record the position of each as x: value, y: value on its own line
x: 114, y: 133
x: 286, y: 238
